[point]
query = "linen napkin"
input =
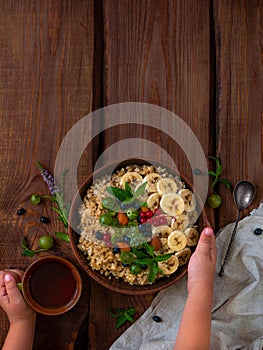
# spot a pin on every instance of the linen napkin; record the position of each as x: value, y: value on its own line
x: 237, y: 314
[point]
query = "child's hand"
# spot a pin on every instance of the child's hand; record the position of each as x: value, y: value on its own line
x: 11, y: 300
x: 201, y: 266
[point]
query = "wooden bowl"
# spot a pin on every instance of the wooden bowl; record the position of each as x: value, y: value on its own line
x: 51, y: 285
x: 118, y: 285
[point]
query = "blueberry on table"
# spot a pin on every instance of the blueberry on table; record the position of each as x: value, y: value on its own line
x: 157, y: 319
x: 258, y: 231
x: 21, y: 211
x: 44, y: 220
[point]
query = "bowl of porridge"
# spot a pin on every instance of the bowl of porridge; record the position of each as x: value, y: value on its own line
x: 134, y: 226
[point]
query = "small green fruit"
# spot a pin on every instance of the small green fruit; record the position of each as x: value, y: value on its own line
x: 214, y: 200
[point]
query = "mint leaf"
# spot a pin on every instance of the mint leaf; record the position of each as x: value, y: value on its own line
x: 159, y: 258
x: 226, y: 183
x: 118, y: 193
x: 63, y: 236
x: 140, y: 190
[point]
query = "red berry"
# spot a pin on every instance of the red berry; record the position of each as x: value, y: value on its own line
x: 162, y: 220
x: 149, y: 214
x: 142, y: 214
x: 158, y: 211
x: 143, y: 220
x: 156, y: 222
x: 106, y: 237
x: 108, y: 244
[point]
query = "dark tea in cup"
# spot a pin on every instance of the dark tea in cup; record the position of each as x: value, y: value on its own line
x: 51, y: 285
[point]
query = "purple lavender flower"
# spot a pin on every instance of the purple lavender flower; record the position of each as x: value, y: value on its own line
x: 49, y: 180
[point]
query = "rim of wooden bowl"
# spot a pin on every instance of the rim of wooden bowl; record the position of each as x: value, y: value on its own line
x: 114, y: 284
x: 46, y: 310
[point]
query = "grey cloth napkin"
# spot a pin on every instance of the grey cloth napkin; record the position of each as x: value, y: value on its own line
x: 237, y: 315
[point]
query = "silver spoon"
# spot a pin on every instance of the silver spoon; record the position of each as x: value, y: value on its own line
x: 244, y: 193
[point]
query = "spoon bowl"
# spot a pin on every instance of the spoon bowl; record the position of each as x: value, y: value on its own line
x: 244, y: 193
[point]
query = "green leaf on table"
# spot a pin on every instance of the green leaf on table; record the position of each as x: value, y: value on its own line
x: 63, y: 236
x: 123, y: 315
x: 219, y: 170
x: 211, y: 173
x: 226, y: 183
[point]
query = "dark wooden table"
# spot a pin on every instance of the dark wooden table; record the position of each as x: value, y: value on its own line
x: 62, y: 59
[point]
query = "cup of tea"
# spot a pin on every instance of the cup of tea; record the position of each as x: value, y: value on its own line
x: 51, y: 285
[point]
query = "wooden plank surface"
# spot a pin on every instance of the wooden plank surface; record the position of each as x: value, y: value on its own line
x: 45, y: 89
x: 59, y: 60
x: 239, y: 110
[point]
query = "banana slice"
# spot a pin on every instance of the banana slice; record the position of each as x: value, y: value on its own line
x: 151, y: 180
x: 166, y: 185
x: 180, y: 222
x: 153, y: 201
x: 169, y: 266
x: 172, y: 204
x: 132, y: 177
x: 192, y: 236
x: 183, y: 256
x: 177, y: 240
x: 162, y: 231
x: 189, y: 199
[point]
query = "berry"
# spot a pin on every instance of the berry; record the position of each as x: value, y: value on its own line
x: 126, y: 239
x: 258, y: 231
x: 149, y: 214
x: 144, y: 267
x: 106, y: 237
x: 99, y: 235
x: 45, y: 242
x: 143, y: 214
x: 116, y: 250
x: 44, y: 220
x: 21, y: 211
x: 214, y: 200
x: 157, y: 319
x: 125, y: 265
x: 162, y: 220
x: 156, y: 222
x: 143, y: 220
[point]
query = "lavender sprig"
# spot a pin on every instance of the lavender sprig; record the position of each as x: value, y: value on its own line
x: 56, y: 195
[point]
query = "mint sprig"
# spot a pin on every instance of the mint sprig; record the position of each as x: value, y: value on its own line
x: 29, y: 252
x: 217, y: 174
x: 123, y: 315
x: 145, y: 256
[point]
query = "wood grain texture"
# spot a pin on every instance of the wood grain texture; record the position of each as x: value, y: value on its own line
x: 61, y: 59
x: 238, y: 30
x: 46, y: 75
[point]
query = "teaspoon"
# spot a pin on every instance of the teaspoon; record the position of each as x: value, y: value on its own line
x: 244, y: 193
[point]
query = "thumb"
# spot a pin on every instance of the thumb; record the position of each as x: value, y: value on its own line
x: 11, y: 288
x: 206, y: 242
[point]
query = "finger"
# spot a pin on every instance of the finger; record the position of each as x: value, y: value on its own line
x: 18, y: 274
x: 11, y: 288
x: 205, y: 242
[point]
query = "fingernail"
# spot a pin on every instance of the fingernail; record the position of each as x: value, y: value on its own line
x: 8, y: 278
x: 208, y: 231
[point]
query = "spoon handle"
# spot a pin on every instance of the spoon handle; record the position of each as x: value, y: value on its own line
x: 221, y: 272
